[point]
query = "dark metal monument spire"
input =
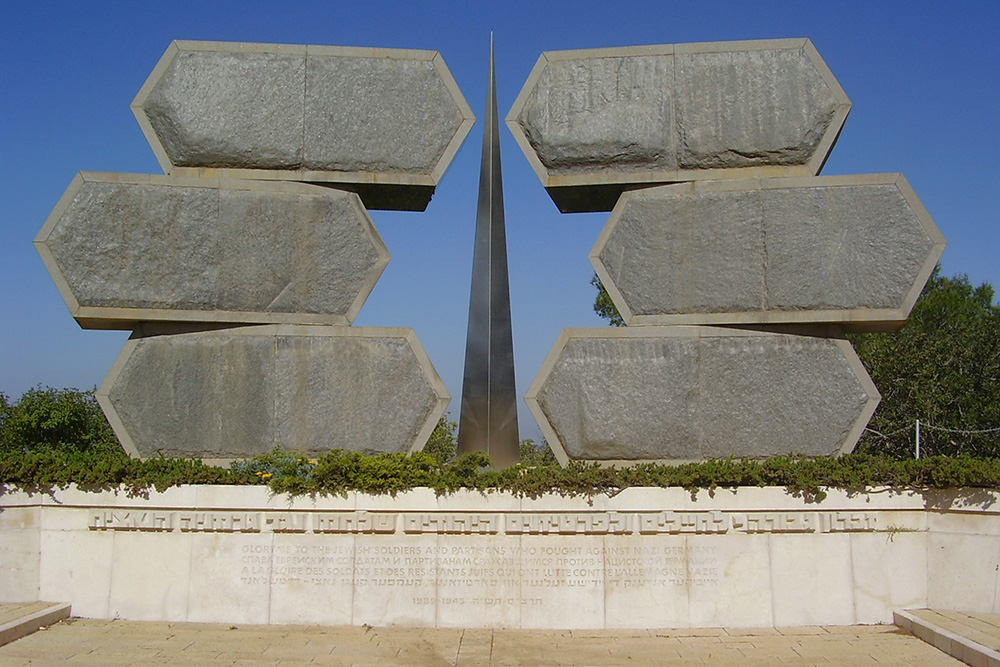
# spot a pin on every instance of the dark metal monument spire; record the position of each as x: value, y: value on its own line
x: 488, y: 420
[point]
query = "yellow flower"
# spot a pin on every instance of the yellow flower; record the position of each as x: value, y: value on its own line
x: 312, y: 463
x: 266, y: 475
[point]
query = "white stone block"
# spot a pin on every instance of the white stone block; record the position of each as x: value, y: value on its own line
x: 811, y: 580
x: 149, y: 576
x: 19, y: 553
x: 75, y: 566
x: 412, y: 499
x: 384, y: 595
x: 963, y: 572
x: 645, y: 581
x: 314, y: 582
x: 566, y: 573
x: 478, y: 581
x: 223, y: 587
x: 964, y: 523
x: 729, y: 581
x: 465, y: 500
x: 890, y: 572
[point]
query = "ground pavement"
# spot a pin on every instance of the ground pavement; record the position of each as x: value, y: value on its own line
x: 77, y: 641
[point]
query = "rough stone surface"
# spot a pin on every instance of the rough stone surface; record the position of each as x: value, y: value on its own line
x: 377, y: 115
x: 387, y: 120
x: 243, y: 391
x: 854, y: 250
x: 739, y: 108
x: 608, y: 111
x: 227, y: 109
x: 594, y: 122
x: 686, y: 393
x: 125, y: 249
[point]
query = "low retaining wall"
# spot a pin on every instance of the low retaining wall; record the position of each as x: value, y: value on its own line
x: 643, y: 558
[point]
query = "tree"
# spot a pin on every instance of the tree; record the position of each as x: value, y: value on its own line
x: 604, y: 306
x: 942, y: 367
x: 442, y: 444
x: 65, y: 419
x: 536, y: 455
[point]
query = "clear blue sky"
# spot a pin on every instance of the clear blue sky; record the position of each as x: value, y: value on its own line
x: 924, y: 78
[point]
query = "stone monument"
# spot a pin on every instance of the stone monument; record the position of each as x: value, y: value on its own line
x: 707, y: 156
x: 736, y: 267
x: 240, y: 271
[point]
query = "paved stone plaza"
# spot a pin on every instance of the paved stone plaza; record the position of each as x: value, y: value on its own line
x: 109, y: 642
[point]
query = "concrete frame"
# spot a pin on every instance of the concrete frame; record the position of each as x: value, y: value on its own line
x: 379, y: 190
x: 858, y: 319
x: 598, y: 191
x: 105, y: 317
x: 835, y: 334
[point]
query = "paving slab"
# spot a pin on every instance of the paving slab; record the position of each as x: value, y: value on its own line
x: 853, y: 250
x: 596, y: 122
x: 131, y: 248
x: 94, y: 642
x: 239, y: 392
x: 683, y: 393
x: 385, y: 122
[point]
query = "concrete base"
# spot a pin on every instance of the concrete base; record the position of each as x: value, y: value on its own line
x: 755, y: 557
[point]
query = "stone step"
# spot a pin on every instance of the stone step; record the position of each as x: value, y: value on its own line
x: 19, y: 620
x: 973, y: 638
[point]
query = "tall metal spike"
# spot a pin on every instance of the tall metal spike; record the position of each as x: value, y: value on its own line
x: 488, y: 420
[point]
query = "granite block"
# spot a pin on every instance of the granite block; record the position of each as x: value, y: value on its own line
x: 126, y: 248
x: 686, y: 393
x: 852, y: 250
x: 239, y: 392
x: 594, y: 123
x: 384, y: 122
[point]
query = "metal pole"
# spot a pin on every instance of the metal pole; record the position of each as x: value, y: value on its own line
x: 488, y: 420
x: 917, y: 438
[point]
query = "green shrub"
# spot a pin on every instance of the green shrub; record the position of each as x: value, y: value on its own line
x: 339, y: 471
x: 66, y: 419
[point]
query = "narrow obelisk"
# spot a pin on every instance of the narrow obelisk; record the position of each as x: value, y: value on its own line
x: 488, y: 420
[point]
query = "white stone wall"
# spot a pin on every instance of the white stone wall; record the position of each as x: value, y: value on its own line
x: 750, y: 558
